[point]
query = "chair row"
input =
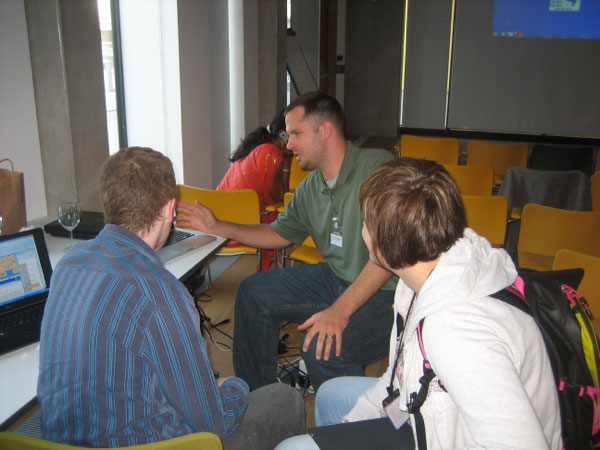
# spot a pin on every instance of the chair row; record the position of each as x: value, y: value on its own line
x: 543, y: 230
x: 572, y: 190
x: 501, y: 155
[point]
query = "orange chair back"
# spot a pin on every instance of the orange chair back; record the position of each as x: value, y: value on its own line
x: 545, y: 230
x: 441, y: 150
x: 472, y: 180
x: 500, y: 156
x: 486, y: 215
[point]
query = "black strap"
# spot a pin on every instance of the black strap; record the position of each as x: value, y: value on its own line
x: 400, y: 326
x: 418, y: 398
x: 513, y: 299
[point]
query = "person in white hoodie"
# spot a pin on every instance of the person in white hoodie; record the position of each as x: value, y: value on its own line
x: 499, y: 387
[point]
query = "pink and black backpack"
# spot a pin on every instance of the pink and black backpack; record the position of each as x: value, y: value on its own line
x: 564, y: 319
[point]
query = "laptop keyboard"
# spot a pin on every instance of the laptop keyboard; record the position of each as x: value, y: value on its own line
x: 25, y: 322
x: 20, y: 328
x: 176, y: 236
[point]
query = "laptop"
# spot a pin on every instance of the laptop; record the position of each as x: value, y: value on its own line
x: 375, y: 434
x: 90, y: 224
x: 25, y: 273
x: 179, y: 242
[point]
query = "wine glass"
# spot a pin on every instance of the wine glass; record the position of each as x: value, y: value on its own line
x: 68, y: 216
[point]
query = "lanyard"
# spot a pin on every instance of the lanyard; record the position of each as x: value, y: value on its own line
x: 400, y: 339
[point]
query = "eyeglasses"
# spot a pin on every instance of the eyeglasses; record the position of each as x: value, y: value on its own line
x: 284, y: 137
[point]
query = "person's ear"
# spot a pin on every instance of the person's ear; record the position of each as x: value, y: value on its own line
x: 168, y: 210
x: 326, y: 129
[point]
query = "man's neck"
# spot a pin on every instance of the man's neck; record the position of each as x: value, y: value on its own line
x: 154, y: 236
x: 335, y: 158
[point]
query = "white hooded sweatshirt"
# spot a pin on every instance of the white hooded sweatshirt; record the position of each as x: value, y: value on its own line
x: 489, y: 355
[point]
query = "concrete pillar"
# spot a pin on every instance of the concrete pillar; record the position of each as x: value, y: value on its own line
x: 64, y: 40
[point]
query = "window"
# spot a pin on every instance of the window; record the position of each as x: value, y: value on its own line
x: 113, y: 76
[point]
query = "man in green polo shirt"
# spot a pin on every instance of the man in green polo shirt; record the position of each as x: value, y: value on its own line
x: 345, y: 303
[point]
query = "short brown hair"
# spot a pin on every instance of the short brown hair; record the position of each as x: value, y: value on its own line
x: 135, y: 184
x: 413, y: 211
x: 319, y: 106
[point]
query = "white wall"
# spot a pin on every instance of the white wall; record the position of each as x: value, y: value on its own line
x: 204, y: 77
x: 19, y: 139
x: 236, y: 72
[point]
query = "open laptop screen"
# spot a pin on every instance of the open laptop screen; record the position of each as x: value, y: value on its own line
x: 24, y: 269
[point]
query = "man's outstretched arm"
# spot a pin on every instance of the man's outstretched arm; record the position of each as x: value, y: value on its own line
x: 334, y: 320
x: 201, y: 218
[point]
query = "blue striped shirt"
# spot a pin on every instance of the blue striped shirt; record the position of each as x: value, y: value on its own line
x: 122, y: 361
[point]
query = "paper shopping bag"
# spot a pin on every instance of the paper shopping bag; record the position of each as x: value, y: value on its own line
x: 12, y: 199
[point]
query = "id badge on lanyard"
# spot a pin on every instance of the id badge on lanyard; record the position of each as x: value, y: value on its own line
x: 391, y: 404
x: 336, y: 237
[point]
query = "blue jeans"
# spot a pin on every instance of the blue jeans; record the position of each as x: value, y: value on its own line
x: 338, y: 396
x: 266, y: 298
x: 335, y: 399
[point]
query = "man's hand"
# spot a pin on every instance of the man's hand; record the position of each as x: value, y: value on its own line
x: 326, y: 325
x: 330, y: 323
x: 197, y: 216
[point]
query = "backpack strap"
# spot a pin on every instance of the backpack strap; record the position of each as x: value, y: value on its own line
x: 514, y: 295
x: 418, y: 398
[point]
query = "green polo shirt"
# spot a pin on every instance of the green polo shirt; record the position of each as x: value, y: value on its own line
x: 314, y: 205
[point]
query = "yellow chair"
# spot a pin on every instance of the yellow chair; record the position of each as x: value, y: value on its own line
x: 595, y: 187
x: 201, y: 441
x: 297, y: 175
x: 239, y: 206
x: 472, y: 180
x: 487, y: 216
x: 307, y: 252
x: 441, y: 150
x: 286, y: 199
x: 273, y: 207
x: 545, y: 230
x: 589, y: 286
x: 500, y: 156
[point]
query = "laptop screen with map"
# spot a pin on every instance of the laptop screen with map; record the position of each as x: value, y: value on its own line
x: 25, y: 273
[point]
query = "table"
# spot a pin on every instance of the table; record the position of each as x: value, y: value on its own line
x: 19, y: 369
